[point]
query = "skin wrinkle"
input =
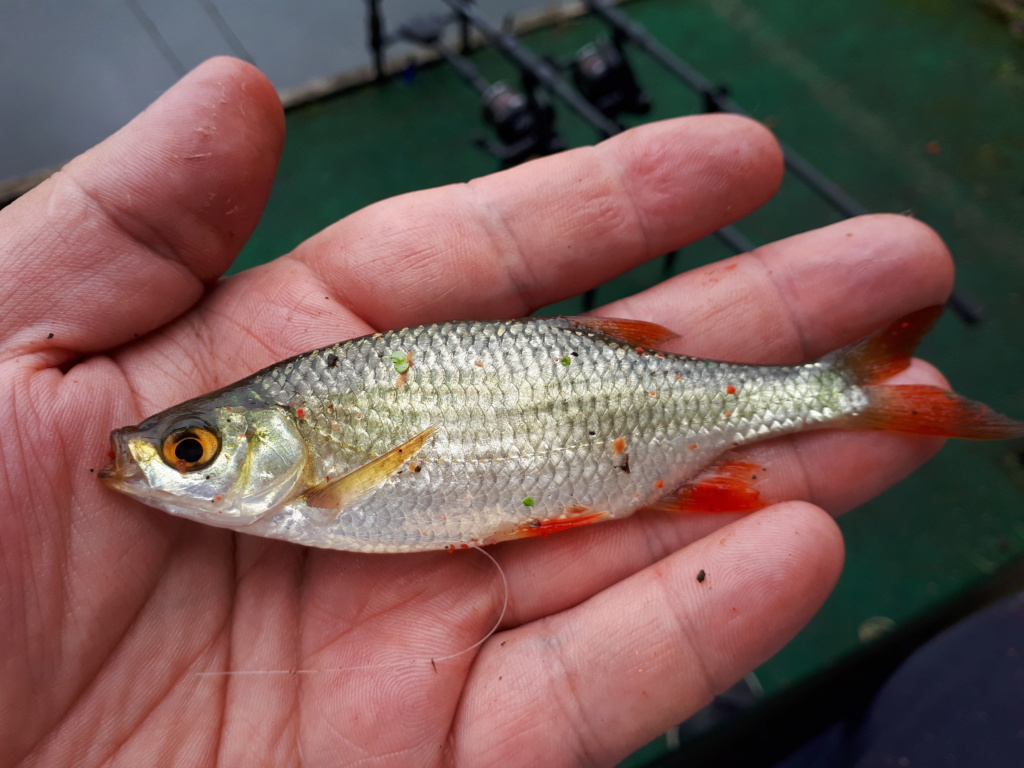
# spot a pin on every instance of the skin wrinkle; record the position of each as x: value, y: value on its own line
x: 799, y: 460
x: 169, y: 745
x: 364, y: 615
x: 299, y: 638
x: 221, y: 307
x: 141, y: 402
x: 119, y: 220
x: 37, y: 582
x: 506, y: 559
x: 499, y: 254
x: 90, y: 681
x: 230, y: 624
x: 788, y: 271
x: 589, y: 538
x: 575, y: 716
x: 782, y: 309
x: 156, y: 702
x: 314, y: 269
x: 382, y: 758
x: 656, y: 547
x: 707, y: 681
x: 321, y: 321
x: 609, y: 161
x: 526, y: 722
x: 239, y: 326
x: 217, y: 638
x: 501, y: 744
x: 886, y: 233
x: 36, y: 340
x: 337, y: 265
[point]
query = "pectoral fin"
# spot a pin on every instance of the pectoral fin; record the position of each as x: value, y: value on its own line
x: 337, y: 493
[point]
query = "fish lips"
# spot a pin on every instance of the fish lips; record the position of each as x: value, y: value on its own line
x: 123, y: 468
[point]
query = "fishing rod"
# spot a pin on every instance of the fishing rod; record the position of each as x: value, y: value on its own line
x: 524, y: 124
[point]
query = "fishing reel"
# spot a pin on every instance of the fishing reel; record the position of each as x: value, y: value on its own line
x: 524, y: 124
x: 604, y: 77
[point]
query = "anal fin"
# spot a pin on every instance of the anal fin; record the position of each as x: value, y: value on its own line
x: 728, y: 486
x: 334, y: 495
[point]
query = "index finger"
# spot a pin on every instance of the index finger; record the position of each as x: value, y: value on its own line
x: 548, y: 229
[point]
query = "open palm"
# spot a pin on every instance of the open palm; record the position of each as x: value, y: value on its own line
x: 119, y: 622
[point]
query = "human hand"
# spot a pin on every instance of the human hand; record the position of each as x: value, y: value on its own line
x: 118, y: 621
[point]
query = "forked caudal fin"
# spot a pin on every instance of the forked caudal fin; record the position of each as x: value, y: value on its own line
x: 927, y: 410
x: 921, y: 410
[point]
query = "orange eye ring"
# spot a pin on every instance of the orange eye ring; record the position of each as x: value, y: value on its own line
x: 190, y: 446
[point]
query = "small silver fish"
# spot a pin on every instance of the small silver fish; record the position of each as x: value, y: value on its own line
x: 450, y: 435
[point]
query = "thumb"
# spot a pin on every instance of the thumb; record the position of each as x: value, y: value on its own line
x: 124, y: 238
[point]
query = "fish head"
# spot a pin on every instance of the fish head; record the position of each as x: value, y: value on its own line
x: 220, y: 462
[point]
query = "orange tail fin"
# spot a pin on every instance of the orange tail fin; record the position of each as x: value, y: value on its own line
x: 927, y: 410
x: 887, y: 352
x: 918, y: 409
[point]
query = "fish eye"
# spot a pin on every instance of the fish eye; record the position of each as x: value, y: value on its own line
x: 190, y: 445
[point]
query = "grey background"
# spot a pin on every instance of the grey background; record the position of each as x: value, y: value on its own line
x: 74, y: 71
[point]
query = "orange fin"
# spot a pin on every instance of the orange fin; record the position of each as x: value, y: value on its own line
x: 636, y: 333
x: 547, y: 527
x: 337, y: 493
x: 927, y: 410
x: 725, y: 487
x: 887, y: 352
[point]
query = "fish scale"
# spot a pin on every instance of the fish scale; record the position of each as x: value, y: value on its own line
x: 449, y: 435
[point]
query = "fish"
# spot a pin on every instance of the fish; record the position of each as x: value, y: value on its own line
x: 469, y: 433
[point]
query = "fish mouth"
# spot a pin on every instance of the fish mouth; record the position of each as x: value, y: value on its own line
x: 123, y: 467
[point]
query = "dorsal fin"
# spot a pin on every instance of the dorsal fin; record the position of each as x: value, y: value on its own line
x: 337, y: 493
x: 636, y: 333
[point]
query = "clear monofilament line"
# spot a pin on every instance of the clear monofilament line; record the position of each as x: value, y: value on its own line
x: 432, y: 661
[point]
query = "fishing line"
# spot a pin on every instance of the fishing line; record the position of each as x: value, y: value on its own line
x: 432, y: 661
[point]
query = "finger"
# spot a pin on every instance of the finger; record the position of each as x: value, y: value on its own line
x: 658, y: 645
x: 795, y: 299
x: 508, y: 243
x: 125, y: 237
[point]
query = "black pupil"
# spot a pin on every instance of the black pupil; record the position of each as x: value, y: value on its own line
x: 188, y: 450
